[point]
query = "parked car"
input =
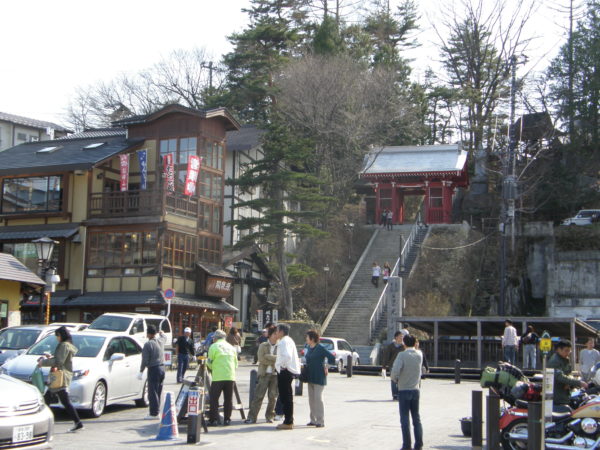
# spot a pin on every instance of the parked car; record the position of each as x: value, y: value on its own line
x: 134, y: 324
x: 583, y: 217
x: 340, y: 348
x: 25, y: 420
x: 105, y: 369
x: 16, y: 340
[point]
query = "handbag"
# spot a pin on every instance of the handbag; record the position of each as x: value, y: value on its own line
x: 37, y: 379
x: 57, y: 379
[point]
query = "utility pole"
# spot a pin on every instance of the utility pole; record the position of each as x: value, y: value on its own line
x: 509, y: 188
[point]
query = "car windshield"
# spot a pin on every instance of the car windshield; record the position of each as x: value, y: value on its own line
x: 327, y: 344
x: 110, y: 323
x: 87, y: 346
x: 586, y: 213
x: 18, y: 338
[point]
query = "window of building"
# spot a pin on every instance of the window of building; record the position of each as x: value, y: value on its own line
x: 212, y: 154
x: 26, y: 253
x: 180, y: 252
x: 181, y: 149
x: 209, y: 249
x: 122, y: 254
x: 33, y: 194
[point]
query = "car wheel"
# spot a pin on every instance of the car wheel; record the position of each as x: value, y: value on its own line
x: 519, y: 426
x: 143, y: 402
x: 98, y: 400
x: 340, y: 365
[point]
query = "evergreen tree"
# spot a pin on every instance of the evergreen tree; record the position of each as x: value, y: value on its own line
x: 289, y: 204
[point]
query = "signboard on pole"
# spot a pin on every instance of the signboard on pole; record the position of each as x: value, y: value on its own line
x: 168, y: 358
x: 193, y: 402
x: 169, y: 172
x: 143, y: 161
x: 192, y: 175
x: 259, y: 318
x: 228, y: 321
x: 548, y: 393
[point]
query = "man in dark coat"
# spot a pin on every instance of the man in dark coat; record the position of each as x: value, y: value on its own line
x: 184, y: 348
x: 563, y: 381
x: 389, y: 356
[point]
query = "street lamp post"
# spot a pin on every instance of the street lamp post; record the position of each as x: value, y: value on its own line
x: 44, y: 248
x: 243, y: 271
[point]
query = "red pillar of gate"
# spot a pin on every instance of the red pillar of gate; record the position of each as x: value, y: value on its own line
x: 426, y: 203
x: 377, y: 205
x: 447, y: 201
x: 401, y: 208
x: 395, y: 212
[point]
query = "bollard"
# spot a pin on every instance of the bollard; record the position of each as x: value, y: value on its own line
x: 253, y: 383
x: 457, y: 371
x: 349, y: 366
x: 493, y: 422
x: 476, y: 420
x: 194, y: 415
x: 534, y: 425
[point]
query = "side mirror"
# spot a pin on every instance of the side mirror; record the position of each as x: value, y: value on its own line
x: 117, y: 357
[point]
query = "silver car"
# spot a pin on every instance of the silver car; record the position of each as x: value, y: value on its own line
x: 105, y: 369
x: 340, y: 348
x: 16, y: 340
x: 25, y: 420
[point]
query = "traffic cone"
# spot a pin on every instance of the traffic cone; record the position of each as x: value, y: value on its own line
x: 168, y: 423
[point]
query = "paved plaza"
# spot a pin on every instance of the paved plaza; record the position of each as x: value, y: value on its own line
x: 358, y: 415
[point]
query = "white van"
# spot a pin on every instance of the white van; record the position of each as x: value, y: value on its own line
x: 583, y: 217
x: 134, y: 324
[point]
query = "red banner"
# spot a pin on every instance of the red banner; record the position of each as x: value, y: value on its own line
x: 192, y: 175
x: 169, y: 172
x: 124, y: 168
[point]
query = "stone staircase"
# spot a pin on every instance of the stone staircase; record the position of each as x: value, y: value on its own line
x: 350, y: 320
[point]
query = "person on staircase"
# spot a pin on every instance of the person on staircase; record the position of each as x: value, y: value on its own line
x: 384, y: 218
x: 390, y: 219
x: 375, y: 274
x: 387, y: 272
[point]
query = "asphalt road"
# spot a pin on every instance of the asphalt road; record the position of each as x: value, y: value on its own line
x: 359, y: 414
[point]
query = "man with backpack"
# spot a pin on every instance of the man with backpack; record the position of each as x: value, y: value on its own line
x: 530, y: 341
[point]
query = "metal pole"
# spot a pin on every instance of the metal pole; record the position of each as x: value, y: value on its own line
x: 44, y: 269
x: 476, y: 420
x: 48, y: 294
x: 457, y: 371
x: 253, y: 382
x: 194, y: 416
x: 349, y: 366
x: 534, y: 425
x: 493, y: 422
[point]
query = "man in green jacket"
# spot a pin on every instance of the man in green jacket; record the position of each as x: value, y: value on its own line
x: 222, y: 362
x: 267, y: 378
x: 563, y: 381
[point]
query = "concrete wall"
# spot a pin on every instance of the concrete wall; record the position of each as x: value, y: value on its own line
x: 11, y: 291
x: 573, y: 285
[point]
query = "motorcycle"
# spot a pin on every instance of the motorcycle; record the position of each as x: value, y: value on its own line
x: 575, y: 426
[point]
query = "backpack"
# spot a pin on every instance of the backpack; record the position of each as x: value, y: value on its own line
x: 502, y: 379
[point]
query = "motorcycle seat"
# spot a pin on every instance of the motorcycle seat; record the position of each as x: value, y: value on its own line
x: 557, y: 416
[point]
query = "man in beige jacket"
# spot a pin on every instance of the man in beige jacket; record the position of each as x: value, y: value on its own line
x: 267, y: 378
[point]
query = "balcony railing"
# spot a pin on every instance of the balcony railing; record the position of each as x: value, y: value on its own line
x: 125, y: 203
x: 141, y: 203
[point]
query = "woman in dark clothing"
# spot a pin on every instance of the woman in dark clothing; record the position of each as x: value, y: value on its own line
x: 235, y: 340
x: 317, y: 377
x: 63, y: 360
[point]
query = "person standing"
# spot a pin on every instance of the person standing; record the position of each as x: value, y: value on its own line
x: 375, y: 274
x: 387, y: 272
x: 184, y: 348
x: 389, y: 356
x: 530, y: 341
x: 222, y: 362
x: 384, y: 218
x: 63, y: 360
x: 390, y: 219
x: 153, y: 358
x: 315, y: 356
x: 509, y: 342
x: 235, y: 340
x: 563, y: 381
x: 209, y: 338
x: 267, y: 378
x: 264, y: 337
x: 588, y: 358
x: 287, y: 365
x: 406, y: 372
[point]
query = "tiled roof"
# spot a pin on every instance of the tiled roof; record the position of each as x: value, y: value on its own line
x: 214, y: 270
x: 245, y: 138
x: 32, y: 123
x: 415, y: 160
x: 95, y: 133
x: 29, y: 232
x: 68, y: 155
x: 12, y: 269
x: 71, y: 298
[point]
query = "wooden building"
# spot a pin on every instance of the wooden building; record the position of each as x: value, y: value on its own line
x: 431, y: 171
x: 131, y: 218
